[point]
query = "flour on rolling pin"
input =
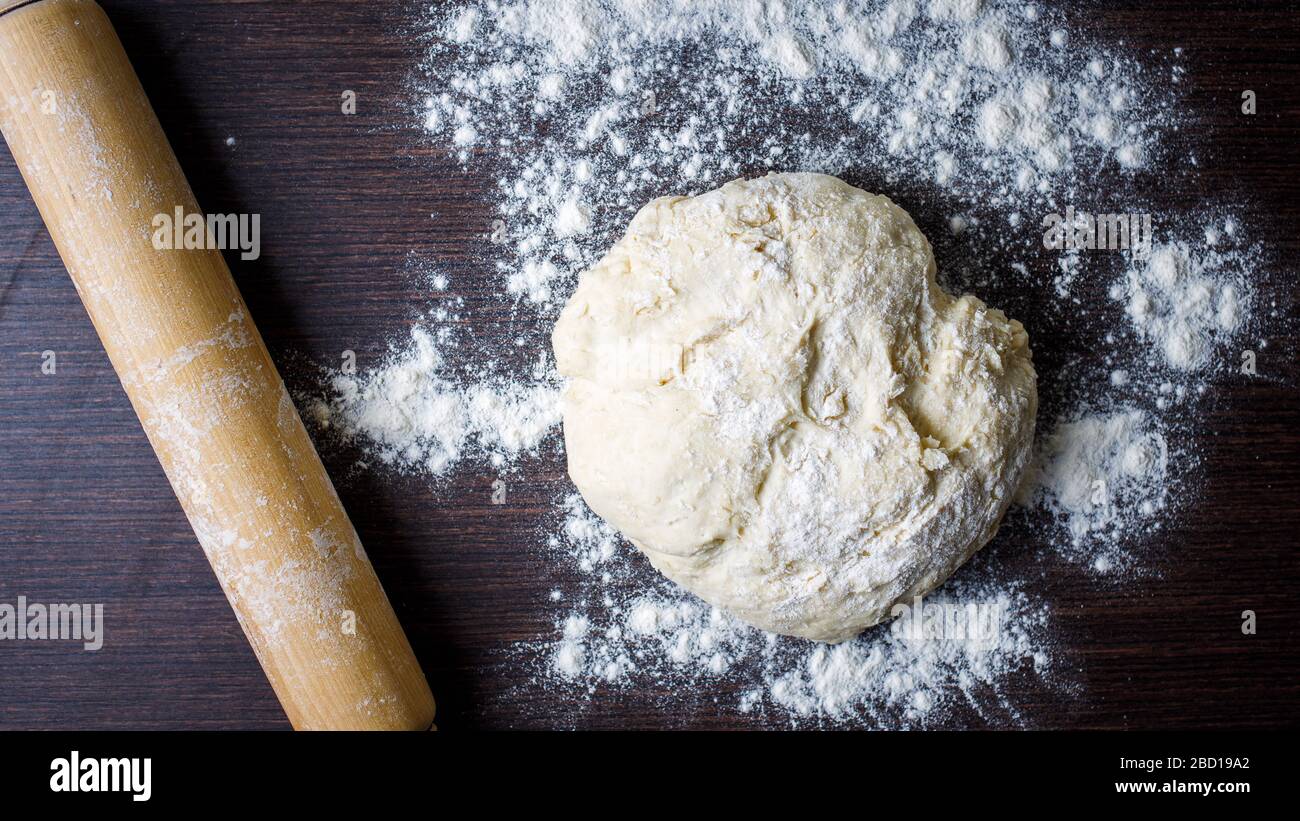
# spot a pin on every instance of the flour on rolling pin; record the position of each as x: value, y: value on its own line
x: 200, y: 378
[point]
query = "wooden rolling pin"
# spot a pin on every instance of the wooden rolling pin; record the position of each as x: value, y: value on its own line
x: 199, y: 376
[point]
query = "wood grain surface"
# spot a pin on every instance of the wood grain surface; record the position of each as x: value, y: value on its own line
x: 350, y: 205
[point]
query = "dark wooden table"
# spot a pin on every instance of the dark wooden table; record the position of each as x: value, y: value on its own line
x: 86, y: 514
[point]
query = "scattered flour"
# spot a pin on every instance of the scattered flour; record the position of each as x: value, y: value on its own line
x: 626, y: 631
x: 1185, y: 300
x: 416, y: 418
x: 601, y: 106
x: 1104, y: 476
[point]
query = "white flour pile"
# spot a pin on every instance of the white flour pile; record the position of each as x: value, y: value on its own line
x: 980, y: 118
x: 1184, y: 300
x: 1105, y: 476
x: 416, y: 418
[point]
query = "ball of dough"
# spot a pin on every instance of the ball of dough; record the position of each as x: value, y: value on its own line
x: 772, y: 398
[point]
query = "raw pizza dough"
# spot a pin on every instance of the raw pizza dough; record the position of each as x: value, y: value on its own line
x: 772, y: 398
